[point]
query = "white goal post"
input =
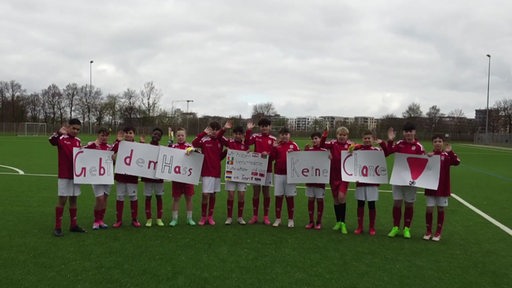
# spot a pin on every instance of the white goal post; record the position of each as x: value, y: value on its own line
x: 32, y: 129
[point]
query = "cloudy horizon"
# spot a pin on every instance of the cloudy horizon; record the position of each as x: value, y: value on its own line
x: 309, y: 58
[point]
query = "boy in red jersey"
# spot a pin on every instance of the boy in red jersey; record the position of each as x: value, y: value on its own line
x: 101, y: 191
x: 281, y: 187
x: 126, y: 185
x: 263, y: 143
x: 366, y: 191
x: 315, y: 191
x: 236, y: 143
x: 155, y: 186
x: 211, y: 147
x: 440, y: 196
x: 179, y: 188
x: 65, y: 139
x: 404, y: 194
x: 339, y: 187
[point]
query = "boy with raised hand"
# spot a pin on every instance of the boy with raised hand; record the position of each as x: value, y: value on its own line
x: 155, y: 186
x: 281, y: 186
x: 315, y: 191
x: 179, y: 188
x: 263, y: 143
x: 440, y: 196
x: 404, y: 195
x: 126, y: 185
x: 339, y: 187
x: 211, y: 147
x: 101, y: 191
x: 66, y: 139
x: 236, y: 143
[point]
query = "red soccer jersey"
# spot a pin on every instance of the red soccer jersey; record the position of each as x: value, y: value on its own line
x: 315, y: 148
x: 123, y: 178
x: 405, y: 147
x: 211, y: 148
x: 262, y: 143
x: 447, y: 159
x: 232, y: 144
x: 101, y: 146
x: 65, y: 144
x: 335, y: 147
x: 182, y: 146
x: 279, y: 154
x: 143, y: 179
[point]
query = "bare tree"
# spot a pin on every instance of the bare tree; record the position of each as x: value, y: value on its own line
x: 129, y: 108
x: 149, y: 96
x: 433, y: 115
x: 33, y: 104
x: 51, y: 97
x: 88, y: 102
x: 504, y: 108
x: 112, y: 106
x: 412, y: 111
x: 457, y: 113
x: 264, y: 110
x: 71, y: 95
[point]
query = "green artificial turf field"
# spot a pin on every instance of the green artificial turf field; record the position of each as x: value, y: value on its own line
x: 473, y: 252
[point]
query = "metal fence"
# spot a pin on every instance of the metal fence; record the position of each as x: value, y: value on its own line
x: 494, y: 139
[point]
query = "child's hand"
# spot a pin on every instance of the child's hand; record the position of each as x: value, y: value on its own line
x: 250, y: 125
x: 326, y: 132
x: 391, y: 134
x: 228, y: 124
x: 430, y: 154
x: 120, y: 135
x: 63, y: 130
x: 189, y: 150
x: 448, y: 147
x: 307, y: 147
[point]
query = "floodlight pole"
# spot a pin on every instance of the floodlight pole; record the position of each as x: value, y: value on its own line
x: 487, y: 109
x: 90, y: 90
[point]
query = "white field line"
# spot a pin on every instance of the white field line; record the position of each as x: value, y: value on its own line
x: 476, y: 210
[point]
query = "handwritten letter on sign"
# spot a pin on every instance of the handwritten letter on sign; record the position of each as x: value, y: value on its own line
x: 246, y: 167
x: 137, y: 159
x: 308, y: 167
x: 365, y: 166
x: 416, y: 170
x: 92, y: 166
x: 175, y: 165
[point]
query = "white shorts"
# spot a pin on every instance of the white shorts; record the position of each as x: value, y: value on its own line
x: 367, y: 193
x: 66, y: 187
x: 126, y: 189
x: 101, y: 189
x: 149, y: 187
x: 268, y: 179
x: 281, y: 186
x: 211, y: 184
x: 236, y: 186
x: 315, y: 192
x: 437, y: 201
x: 406, y: 193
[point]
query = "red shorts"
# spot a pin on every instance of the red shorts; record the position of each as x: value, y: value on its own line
x: 338, y: 187
x: 179, y: 188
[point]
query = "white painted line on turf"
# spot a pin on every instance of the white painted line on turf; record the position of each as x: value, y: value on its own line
x: 15, y: 169
x: 481, y: 213
x: 28, y: 174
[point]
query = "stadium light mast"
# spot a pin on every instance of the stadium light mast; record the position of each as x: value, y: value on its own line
x: 488, y: 86
x: 90, y: 90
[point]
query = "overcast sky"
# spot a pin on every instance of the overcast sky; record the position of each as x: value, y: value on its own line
x: 314, y: 58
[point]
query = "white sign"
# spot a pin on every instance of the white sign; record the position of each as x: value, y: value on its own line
x: 246, y: 167
x: 91, y: 166
x: 416, y: 170
x: 308, y: 167
x: 137, y: 159
x: 175, y: 165
x: 365, y: 166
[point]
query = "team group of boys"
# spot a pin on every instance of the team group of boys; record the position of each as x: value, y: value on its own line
x: 211, y: 143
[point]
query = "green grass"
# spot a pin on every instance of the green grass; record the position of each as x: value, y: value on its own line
x: 472, y: 253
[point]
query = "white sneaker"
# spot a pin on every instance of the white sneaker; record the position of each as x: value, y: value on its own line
x: 427, y: 236
x: 228, y: 221
x: 436, y: 237
x: 241, y: 221
x: 291, y: 224
x: 277, y: 222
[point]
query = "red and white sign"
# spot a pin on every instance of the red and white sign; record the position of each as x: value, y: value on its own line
x: 137, y: 159
x: 365, y: 166
x: 173, y: 164
x: 308, y: 167
x: 246, y: 167
x: 416, y: 170
x: 92, y: 166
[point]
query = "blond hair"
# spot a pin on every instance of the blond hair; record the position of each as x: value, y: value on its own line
x: 342, y: 129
